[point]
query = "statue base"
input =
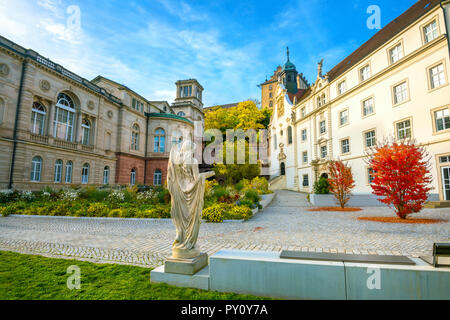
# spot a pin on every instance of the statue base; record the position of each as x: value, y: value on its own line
x: 186, y: 266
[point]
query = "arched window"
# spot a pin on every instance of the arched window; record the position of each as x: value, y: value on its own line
x: 289, y: 135
x: 159, y: 141
x: 38, y: 118
x: 86, y: 129
x: 181, y: 114
x: 36, y: 168
x: 135, y: 137
x: 64, y: 118
x: 106, y: 175
x: 69, y: 170
x: 177, y: 137
x: 85, y: 174
x: 157, y: 178
x: 58, y: 171
x: 133, y: 177
x: 283, y: 169
x: 2, y: 110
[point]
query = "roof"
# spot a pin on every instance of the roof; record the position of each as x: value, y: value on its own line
x: 297, y: 95
x: 415, y: 12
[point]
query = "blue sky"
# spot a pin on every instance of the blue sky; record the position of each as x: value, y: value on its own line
x: 228, y: 46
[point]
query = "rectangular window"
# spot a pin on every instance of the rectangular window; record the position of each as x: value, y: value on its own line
x: 404, y: 130
x: 303, y: 112
x: 437, y: 76
x: 370, y: 139
x: 430, y: 31
x: 305, y: 157
x: 342, y: 87
x: 364, y: 73
x: 368, y: 107
x: 445, y: 159
x: 442, y: 118
x: 304, y: 135
x: 323, y: 152
x: 305, y: 180
x: 343, y: 117
x: 345, y: 146
x: 370, y: 176
x: 400, y: 93
x: 396, y: 53
x: 323, y: 128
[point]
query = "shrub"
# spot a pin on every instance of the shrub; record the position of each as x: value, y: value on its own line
x: 261, y: 185
x: 7, y: 196
x: 215, y: 213
x: 401, y: 176
x: 238, y: 213
x: 164, y: 196
x: 158, y: 212
x: 59, y: 209
x: 93, y: 194
x: 322, y: 186
x: 69, y: 195
x: 219, y: 192
x: 97, y: 210
x: 252, y: 195
x: 247, y: 203
x: 115, y: 213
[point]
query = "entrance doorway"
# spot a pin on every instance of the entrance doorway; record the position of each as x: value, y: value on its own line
x: 283, y: 169
x: 446, y: 182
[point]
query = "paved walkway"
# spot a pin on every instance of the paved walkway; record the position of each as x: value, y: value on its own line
x: 285, y: 224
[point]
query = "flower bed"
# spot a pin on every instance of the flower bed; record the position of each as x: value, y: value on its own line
x: 398, y: 220
x: 334, y: 209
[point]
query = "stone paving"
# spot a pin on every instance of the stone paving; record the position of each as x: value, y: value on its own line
x: 285, y: 224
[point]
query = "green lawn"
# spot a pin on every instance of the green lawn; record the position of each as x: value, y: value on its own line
x: 34, y: 277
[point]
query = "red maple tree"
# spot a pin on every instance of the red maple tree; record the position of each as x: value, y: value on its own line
x: 341, y: 181
x: 401, y: 175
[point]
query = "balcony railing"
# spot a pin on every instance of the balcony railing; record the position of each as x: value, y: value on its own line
x: 87, y: 148
x: 38, y: 138
x: 65, y: 144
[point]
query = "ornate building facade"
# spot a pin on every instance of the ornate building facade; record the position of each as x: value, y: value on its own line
x: 59, y: 129
x: 394, y: 85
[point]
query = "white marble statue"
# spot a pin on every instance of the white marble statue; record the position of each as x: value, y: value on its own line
x: 187, y: 187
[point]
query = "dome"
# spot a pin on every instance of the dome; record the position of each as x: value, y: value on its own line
x: 289, y: 66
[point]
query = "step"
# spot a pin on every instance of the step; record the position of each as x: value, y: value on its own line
x: 437, y: 204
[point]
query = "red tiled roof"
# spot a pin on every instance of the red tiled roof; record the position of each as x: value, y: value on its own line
x: 298, y: 95
x: 415, y: 12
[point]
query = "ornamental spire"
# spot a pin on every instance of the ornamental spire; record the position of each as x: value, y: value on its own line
x: 287, y: 49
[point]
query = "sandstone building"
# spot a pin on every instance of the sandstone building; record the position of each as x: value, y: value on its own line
x: 394, y: 85
x: 59, y: 129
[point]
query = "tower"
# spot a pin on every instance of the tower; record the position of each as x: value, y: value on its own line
x: 288, y: 75
x: 188, y: 102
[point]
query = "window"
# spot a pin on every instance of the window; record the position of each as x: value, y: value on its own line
x: 157, y: 178
x: 370, y: 175
x: 64, y: 118
x: 108, y: 141
x: 58, y: 171
x: 2, y: 110
x: 370, y: 139
x: 396, y: 53
x: 135, y: 137
x: 186, y: 91
x: 404, y: 129
x: 106, y: 175
x: 137, y: 105
x: 159, y: 140
x: 364, y: 73
x: 430, y: 32
x: 345, y: 146
x: 442, y: 118
x: 323, y: 152
x: 86, y: 131
x: 303, y: 112
x: 323, y: 128
x: 289, y: 135
x: 343, y: 117
x: 305, y: 180
x: 342, y: 87
x: 69, y: 169
x: 400, y: 93
x: 275, y: 144
x: 37, y: 118
x: 181, y: 114
x: 36, y: 168
x: 437, y: 76
x: 368, y: 107
x: 304, y: 135
x: 270, y: 95
x: 177, y: 137
x: 305, y: 157
x: 133, y: 177
x: 270, y: 103
x: 85, y: 174
x: 445, y: 159
x: 270, y: 87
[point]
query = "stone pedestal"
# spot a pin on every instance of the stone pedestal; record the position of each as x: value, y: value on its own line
x: 186, y: 266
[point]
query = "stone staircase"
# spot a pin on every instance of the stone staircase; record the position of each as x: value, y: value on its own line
x: 278, y: 183
x: 437, y: 204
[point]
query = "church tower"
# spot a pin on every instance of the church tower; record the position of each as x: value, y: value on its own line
x: 288, y: 76
x: 188, y: 102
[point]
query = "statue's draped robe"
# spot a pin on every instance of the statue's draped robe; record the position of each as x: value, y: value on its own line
x: 186, y: 187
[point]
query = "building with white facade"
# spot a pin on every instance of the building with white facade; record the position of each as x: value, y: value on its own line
x: 394, y: 85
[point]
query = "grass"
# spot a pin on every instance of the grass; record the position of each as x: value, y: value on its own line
x: 31, y: 277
